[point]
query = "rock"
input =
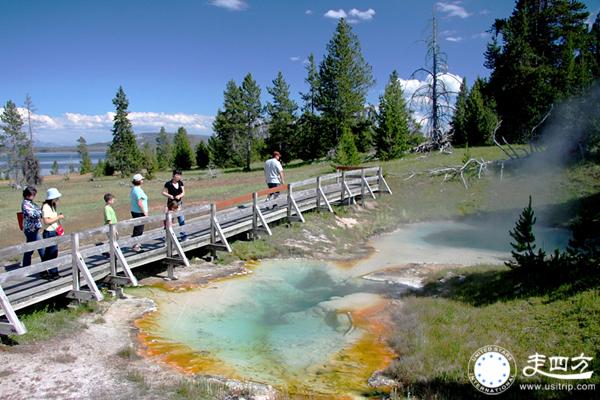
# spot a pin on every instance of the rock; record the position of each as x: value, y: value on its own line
x: 378, y: 379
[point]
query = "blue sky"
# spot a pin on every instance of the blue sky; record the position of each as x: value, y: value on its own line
x: 174, y: 58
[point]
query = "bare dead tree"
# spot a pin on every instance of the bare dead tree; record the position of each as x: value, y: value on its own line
x: 31, y: 165
x: 435, y: 96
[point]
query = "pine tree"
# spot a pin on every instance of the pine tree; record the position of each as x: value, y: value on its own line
x: 85, y: 165
x: 123, y: 152
x: 542, y: 58
x: 346, y: 152
x: 203, y: 156
x: 345, y: 78
x: 54, y: 168
x: 524, y: 255
x: 14, y: 139
x: 309, y: 145
x: 459, y: 123
x: 480, y: 118
x: 282, y: 119
x: 164, y: 152
x: 226, y: 144
x: 594, y: 40
x: 252, y: 112
x: 183, y: 156
x: 150, y: 162
x: 393, y: 117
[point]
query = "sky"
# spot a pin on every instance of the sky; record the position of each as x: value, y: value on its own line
x: 174, y: 58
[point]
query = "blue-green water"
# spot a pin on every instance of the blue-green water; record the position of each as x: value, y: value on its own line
x: 279, y: 321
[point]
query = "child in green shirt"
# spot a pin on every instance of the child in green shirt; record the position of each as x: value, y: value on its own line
x: 110, y: 217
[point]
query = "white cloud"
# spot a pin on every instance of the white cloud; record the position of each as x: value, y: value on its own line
x: 308, y: 12
x: 65, y: 129
x: 294, y: 58
x: 484, y: 12
x: 481, y: 35
x: 354, y: 16
x: 453, y: 9
x: 419, y: 105
x: 336, y: 14
x: 454, y: 39
x: 362, y: 15
x: 233, y: 5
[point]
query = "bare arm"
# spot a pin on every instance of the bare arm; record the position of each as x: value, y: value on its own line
x: 282, y: 178
x: 141, y: 206
x: 165, y: 193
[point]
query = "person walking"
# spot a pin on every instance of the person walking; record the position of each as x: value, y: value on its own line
x: 274, y: 173
x: 32, y: 222
x: 139, y: 207
x: 51, y: 219
x: 175, y: 190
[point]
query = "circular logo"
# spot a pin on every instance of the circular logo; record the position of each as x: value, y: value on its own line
x: 492, y: 369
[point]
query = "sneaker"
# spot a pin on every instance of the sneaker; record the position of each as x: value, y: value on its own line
x: 183, y: 238
x: 137, y: 248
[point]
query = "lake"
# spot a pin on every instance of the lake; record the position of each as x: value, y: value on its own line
x: 63, y: 158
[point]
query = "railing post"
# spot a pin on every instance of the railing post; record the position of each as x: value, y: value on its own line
x: 343, y: 196
x: 381, y: 182
x: 289, y: 203
x: 318, y: 194
x: 112, y: 252
x: 362, y: 187
x: 254, y: 215
x: 213, y: 228
x: 74, y: 258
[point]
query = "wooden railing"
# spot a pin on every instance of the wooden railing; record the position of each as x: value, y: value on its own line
x: 239, y: 214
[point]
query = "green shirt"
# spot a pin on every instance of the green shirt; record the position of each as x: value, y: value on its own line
x: 110, y: 217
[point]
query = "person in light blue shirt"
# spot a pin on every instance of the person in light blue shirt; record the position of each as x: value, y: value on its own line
x: 139, y: 206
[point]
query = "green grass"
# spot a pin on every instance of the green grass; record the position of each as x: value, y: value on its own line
x: 46, y: 321
x: 437, y: 331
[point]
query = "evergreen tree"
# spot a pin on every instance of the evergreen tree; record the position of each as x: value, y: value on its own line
x: 202, y: 155
x: 524, y: 255
x: 183, y: 156
x: 459, y: 123
x: 594, y: 45
x: 14, y: 139
x: 164, y: 152
x: 282, y: 119
x: 542, y: 57
x: 309, y: 145
x: 85, y: 165
x: 226, y: 143
x: 252, y: 112
x: 123, y: 152
x: 149, y: 160
x: 346, y: 152
x: 393, y: 117
x: 345, y: 78
x: 480, y: 118
x: 54, y: 168
x: 31, y: 168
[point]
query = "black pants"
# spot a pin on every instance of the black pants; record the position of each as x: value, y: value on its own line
x: 138, y: 230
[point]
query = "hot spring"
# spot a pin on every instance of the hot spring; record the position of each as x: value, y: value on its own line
x: 308, y: 326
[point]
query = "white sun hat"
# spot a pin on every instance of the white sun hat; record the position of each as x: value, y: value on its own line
x: 52, y: 194
x: 138, y: 177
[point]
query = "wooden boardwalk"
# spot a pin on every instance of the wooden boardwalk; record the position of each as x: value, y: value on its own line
x: 102, y: 255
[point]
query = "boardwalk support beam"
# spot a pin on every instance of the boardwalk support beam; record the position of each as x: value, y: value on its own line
x: 215, y: 229
x: 14, y: 325
x: 381, y: 181
x: 292, y: 205
x: 173, y: 244
x: 79, y: 267
x: 257, y: 217
x: 321, y: 195
x: 117, y: 254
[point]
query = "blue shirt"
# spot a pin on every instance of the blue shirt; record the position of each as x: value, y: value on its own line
x: 137, y: 193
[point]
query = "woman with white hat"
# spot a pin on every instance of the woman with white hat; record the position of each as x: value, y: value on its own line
x: 51, y: 220
x: 139, y: 206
